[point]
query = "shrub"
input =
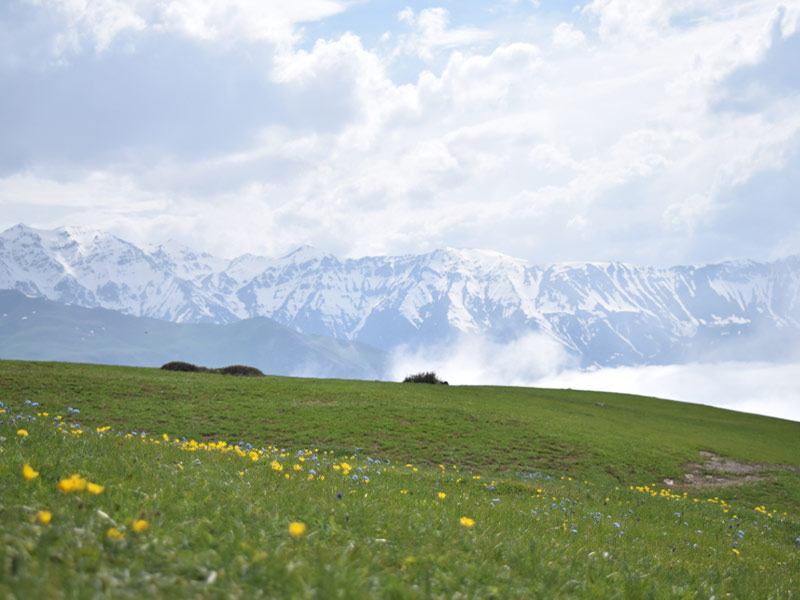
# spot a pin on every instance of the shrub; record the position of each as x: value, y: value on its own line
x: 241, y: 370
x: 427, y: 377
x: 177, y: 365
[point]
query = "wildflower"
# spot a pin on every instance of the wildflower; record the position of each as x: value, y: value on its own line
x: 139, y: 525
x: 442, y: 495
x: 44, y: 517
x: 616, y: 525
x: 22, y: 433
x: 736, y: 552
x: 94, y: 488
x: 276, y: 466
x: 75, y: 483
x: 28, y: 473
x: 115, y: 534
x: 339, y: 495
x: 297, y: 529
x: 467, y: 522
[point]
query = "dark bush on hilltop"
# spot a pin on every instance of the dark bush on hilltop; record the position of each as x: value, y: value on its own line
x: 239, y: 370
x: 177, y: 365
x: 428, y: 377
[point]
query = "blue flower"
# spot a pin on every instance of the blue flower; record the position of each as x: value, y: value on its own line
x: 617, y: 525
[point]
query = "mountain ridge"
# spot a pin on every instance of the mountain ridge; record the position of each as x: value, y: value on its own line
x: 40, y: 329
x: 604, y: 313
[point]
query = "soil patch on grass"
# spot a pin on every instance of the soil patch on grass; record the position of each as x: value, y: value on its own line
x: 713, y: 470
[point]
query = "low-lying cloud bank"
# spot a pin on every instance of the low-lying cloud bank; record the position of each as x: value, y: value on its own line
x: 474, y: 360
x: 760, y: 388
x: 771, y: 389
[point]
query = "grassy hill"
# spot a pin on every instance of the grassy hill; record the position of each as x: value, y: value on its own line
x: 480, y: 491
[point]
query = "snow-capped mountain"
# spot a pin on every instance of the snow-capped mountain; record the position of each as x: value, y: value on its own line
x: 603, y: 313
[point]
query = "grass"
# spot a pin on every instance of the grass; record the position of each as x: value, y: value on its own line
x: 564, y: 494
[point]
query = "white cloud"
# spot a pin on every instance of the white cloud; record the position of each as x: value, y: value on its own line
x: 475, y: 360
x: 101, y: 21
x: 536, y: 360
x: 760, y: 388
x: 546, y: 151
x: 565, y: 35
x: 432, y: 32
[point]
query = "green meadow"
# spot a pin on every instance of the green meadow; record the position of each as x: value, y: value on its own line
x: 127, y: 482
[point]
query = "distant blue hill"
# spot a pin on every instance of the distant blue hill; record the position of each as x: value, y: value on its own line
x: 39, y: 329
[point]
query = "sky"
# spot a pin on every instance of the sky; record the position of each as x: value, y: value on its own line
x: 655, y: 132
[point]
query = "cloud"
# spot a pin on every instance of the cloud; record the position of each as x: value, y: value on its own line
x: 556, y: 136
x: 761, y: 388
x: 476, y: 360
x: 431, y: 32
x: 565, y: 35
x: 773, y: 76
x: 536, y: 360
x: 102, y: 21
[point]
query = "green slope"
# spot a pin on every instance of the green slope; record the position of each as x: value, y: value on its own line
x: 38, y: 329
x: 606, y: 438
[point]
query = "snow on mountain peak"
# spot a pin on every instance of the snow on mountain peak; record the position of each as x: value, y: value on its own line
x: 607, y: 312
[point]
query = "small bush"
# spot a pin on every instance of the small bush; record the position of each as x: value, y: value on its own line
x: 427, y: 377
x: 241, y: 370
x: 177, y: 365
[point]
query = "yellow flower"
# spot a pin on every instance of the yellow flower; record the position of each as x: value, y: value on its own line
x: 297, y: 467
x: 404, y: 492
x: 276, y: 466
x: 94, y: 488
x: 297, y: 529
x: 75, y: 483
x: 736, y: 552
x: 139, y: 525
x: 66, y: 485
x: 44, y: 517
x: 442, y: 495
x: 115, y: 534
x: 22, y: 432
x: 467, y: 522
x: 80, y: 482
x: 28, y: 473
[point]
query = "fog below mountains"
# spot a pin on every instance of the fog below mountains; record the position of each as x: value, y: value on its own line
x: 771, y: 389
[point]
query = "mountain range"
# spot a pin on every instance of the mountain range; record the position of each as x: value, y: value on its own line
x: 600, y: 313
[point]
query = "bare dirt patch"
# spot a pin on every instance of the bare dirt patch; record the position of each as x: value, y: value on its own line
x: 713, y: 470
